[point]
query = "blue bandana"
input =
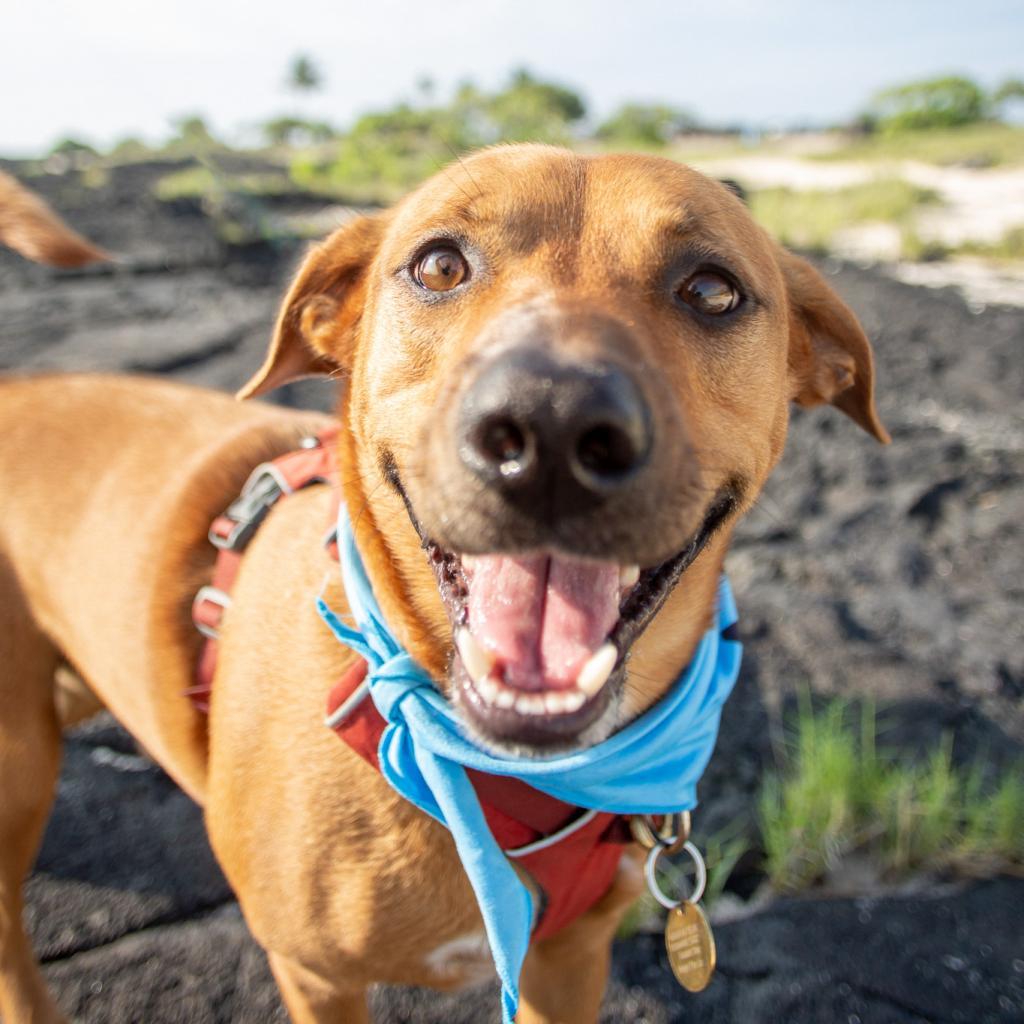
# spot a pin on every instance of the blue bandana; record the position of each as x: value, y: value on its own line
x: 652, y: 766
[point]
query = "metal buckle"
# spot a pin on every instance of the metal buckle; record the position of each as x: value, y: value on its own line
x: 670, y: 835
x: 215, y: 596
x: 263, y: 488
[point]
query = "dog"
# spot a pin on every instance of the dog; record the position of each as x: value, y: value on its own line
x: 566, y: 377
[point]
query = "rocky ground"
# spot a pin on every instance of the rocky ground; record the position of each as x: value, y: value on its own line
x: 894, y: 573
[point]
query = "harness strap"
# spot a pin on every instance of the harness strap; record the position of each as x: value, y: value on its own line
x: 231, y: 532
x: 571, y: 854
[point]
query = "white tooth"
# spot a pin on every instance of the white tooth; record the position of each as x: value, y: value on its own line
x: 628, y: 575
x: 561, y: 702
x: 574, y: 700
x: 538, y: 705
x: 554, y: 702
x: 469, y: 562
x: 595, y: 673
x: 506, y: 697
x: 487, y: 688
x: 476, y: 659
x: 530, y: 704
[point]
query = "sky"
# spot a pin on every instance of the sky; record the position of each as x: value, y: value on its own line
x: 101, y: 70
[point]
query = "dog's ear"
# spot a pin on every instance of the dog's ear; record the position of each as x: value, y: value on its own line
x: 30, y: 227
x: 318, y: 319
x: 829, y: 355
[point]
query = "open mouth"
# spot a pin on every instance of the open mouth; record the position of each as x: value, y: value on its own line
x: 541, y: 639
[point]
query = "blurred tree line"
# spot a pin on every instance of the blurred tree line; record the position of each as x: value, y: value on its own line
x: 949, y: 101
x: 388, y: 150
x: 407, y: 142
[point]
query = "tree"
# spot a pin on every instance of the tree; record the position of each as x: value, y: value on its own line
x: 1009, y: 94
x: 946, y: 102
x: 531, y: 110
x: 304, y: 75
x: 426, y: 87
x: 296, y: 131
x: 1009, y: 89
x: 645, y: 124
x: 74, y: 148
x: 193, y: 131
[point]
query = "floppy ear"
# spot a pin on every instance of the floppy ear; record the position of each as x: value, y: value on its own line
x: 829, y: 355
x: 318, y: 319
x: 30, y: 227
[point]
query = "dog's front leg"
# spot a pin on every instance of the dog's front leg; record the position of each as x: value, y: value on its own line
x: 311, y: 999
x: 29, y: 765
x: 564, y: 977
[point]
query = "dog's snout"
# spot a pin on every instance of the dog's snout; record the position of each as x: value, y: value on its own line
x: 532, y: 424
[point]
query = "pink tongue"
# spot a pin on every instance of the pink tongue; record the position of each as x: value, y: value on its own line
x: 542, y: 617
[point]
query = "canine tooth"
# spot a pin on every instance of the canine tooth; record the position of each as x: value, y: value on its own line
x: 595, y: 673
x: 476, y: 659
x: 628, y: 575
x: 469, y: 562
x: 488, y: 688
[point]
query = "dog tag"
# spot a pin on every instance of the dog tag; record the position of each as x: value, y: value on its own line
x: 690, y: 945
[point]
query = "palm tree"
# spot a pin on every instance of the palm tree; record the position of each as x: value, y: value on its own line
x: 304, y: 75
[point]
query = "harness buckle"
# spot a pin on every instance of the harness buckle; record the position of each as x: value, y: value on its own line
x: 670, y: 835
x: 233, y: 530
x: 207, y: 620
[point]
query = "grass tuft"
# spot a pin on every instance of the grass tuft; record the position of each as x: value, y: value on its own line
x: 839, y: 796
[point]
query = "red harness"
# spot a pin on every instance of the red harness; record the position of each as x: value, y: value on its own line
x: 571, y: 854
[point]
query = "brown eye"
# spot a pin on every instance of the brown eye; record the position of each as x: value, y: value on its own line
x: 710, y: 293
x: 441, y: 269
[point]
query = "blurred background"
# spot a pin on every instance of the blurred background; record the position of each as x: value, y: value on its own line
x: 863, y: 818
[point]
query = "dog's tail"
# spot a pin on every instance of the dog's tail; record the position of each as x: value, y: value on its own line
x: 30, y: 227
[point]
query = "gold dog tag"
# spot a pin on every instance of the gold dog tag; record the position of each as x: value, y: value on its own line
x: 691, y: 946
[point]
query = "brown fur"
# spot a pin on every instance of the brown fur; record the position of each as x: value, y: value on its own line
x: 110, y: 484
x: 30, y: 227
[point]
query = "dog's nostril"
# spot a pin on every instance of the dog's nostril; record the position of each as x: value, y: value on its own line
x: 501, y: 440
x: 606, y: 451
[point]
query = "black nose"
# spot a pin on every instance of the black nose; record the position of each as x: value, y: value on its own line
x: 553, y: 431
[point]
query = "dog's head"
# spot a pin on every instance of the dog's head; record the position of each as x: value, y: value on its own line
x: 568, y: 377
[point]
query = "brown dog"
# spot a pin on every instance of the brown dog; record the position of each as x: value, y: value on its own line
x: 675, y: 334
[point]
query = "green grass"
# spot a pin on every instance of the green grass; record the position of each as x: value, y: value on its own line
x: 1009, y: 247
x: 839, y: 795
x: 810, y: 219
x: 983, y: 145
x: 203, y: 182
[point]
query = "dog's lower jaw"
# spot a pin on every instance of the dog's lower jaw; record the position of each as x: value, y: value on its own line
x: 530, y: 736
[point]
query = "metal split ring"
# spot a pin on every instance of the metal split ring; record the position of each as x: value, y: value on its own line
x: 699, y: 883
